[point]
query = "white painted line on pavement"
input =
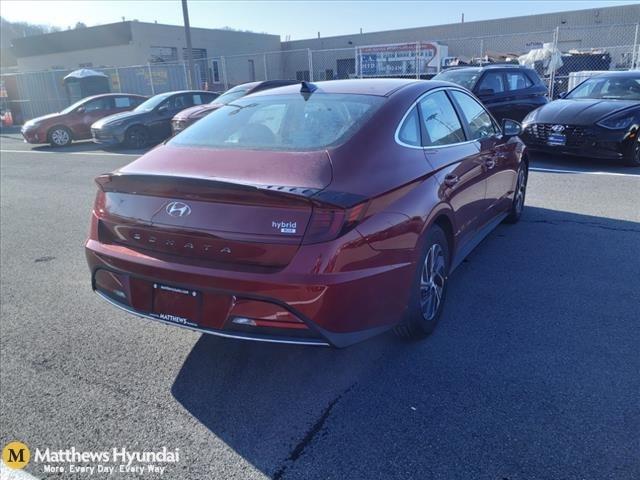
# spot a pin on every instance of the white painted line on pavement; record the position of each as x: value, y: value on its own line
x: 74, y: 153
x: 7, y: 473
x: 558, y: 170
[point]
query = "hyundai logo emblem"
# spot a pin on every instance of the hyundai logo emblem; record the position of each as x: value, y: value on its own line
x: 178, y: 209
x: 558, y: 128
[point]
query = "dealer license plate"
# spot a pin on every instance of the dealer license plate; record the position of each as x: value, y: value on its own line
x: 558, y: 139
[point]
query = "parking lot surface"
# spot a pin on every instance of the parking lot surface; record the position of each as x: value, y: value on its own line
x: 531, y: 374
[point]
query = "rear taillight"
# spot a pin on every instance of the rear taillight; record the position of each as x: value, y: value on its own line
x: 100, y: 203
x: 327, y: 224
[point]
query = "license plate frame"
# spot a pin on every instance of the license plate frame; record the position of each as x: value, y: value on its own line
x: 179, y: 305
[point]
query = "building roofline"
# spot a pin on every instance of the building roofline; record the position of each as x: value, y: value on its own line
x: 445, y: 25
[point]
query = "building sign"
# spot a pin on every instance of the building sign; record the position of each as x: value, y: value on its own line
x: 400, y: 59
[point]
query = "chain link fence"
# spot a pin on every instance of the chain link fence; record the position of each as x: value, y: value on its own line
x: 563, y: 57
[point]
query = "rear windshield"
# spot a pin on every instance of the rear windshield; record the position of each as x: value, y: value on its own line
x: 464, y: 78
x: 231, y: 95
x: 281, y: 122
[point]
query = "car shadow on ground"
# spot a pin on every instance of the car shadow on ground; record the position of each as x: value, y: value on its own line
x: 90, y: 147
x: 568, y: 162
x: 508, y: 326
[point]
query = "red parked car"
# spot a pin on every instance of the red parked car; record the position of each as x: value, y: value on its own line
x: 189, y: 116
x: 74, y: 122
x: 316, y: 214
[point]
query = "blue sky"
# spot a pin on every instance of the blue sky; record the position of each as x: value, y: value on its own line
x: 295, y: 18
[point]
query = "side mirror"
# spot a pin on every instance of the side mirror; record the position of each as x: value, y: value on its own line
x: 486, y: 91
x: 81, y: 109
x: 563, y: 94
x: 511, y: 128
x: 163, y: 108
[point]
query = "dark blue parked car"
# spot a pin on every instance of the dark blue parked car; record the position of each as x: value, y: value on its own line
x: 508, y: 91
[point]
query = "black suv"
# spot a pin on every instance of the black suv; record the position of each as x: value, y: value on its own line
x: 508, y: 91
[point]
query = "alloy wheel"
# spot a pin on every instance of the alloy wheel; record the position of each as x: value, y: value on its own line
x: 60, y: 137
x: 521, y: 188
x: 432, y: 282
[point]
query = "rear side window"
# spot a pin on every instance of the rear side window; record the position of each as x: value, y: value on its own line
x: 123, y: 102
x: 198, y: 100
x: 491, y: 81
x: 409, y: 132
x: 440, y: 120
x: 477, y: 119
x: 517, y: 81
x: 282, y: 122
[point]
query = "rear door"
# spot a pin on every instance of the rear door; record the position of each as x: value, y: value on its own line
x: 460, y: 168
x: 497, y: 164
x: 493, y: 93
x: 524, y: 96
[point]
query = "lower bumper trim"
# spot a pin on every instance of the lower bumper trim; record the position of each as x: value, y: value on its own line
x: 218, y: 333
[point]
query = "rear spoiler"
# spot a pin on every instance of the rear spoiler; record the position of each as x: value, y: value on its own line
x: 213, y: 188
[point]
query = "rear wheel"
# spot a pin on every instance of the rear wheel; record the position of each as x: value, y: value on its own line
x: 136, y: 137
x: 60, y: 137
x: 429, y: 288
x: 633, y: 159
x: 518, y: 197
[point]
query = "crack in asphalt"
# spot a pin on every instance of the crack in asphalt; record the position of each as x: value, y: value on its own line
x: 588, y: 224
x: 299, y: 448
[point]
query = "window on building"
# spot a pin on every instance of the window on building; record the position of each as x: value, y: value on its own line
x: 328, y: 74
x: 163, y: 54
x: 85, y: 65
x: 215, y: 68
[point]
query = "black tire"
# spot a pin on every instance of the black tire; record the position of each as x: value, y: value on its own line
x: 633, y: 158
x: 136, y: 137
x: 59, y: 136
x: 421, y: 317
x: 517, y: 205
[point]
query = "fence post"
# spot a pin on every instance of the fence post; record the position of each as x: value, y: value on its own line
x: 223, y: 62
x: 153, y: 92
x: 552, y: 79
x: 417, y: 60
x: 264, y: 61
x: 481, y: 49
x: 310, y: 64
x: 186, y: 78
x: 119, y: 80
x: 635, y: 58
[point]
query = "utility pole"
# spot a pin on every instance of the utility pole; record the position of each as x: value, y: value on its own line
x: 187, y: 33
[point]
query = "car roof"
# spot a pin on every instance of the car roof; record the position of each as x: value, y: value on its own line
x: 364, y: 86
x: 623, y: 74
x: 493, y: 66
x: 112, y: 94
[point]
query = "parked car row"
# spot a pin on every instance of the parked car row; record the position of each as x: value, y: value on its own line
x: 599, y: 118
x: 133, y: 120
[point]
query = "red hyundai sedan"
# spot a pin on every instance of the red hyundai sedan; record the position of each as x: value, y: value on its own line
x: 318, y: 214
x: 74, y: 122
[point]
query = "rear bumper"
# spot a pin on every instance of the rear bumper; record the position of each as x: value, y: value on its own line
x: 336, y: 309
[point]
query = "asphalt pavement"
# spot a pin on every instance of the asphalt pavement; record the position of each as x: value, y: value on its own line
x: 533, y: 372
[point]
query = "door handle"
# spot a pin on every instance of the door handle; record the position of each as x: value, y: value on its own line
x: 450, y: 180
